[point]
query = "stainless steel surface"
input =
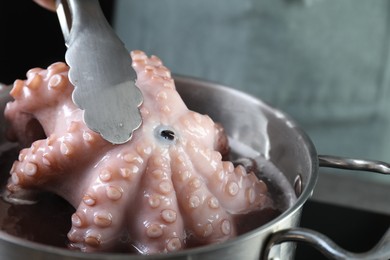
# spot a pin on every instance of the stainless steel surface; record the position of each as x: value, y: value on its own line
x: 100, y: 70
x: 270, y: 133
x: 354, y: 164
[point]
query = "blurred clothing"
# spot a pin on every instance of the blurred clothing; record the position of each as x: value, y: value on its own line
x: 326, y: 63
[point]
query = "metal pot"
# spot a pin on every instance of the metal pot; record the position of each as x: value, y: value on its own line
x: 269, y: 132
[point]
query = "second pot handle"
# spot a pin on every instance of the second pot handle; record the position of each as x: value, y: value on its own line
x: 326, y: 246
x: 353, y: 164
x: 321, y: 242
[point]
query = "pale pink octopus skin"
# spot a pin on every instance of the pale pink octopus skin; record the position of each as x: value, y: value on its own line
x: 157, y: 192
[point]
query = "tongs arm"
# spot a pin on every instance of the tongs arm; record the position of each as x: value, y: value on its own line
x: 100, y: 70
x: 65, y: 18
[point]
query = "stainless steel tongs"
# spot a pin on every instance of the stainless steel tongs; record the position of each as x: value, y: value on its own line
x: 100, y: 70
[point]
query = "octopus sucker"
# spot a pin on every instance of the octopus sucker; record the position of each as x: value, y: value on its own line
x: 56, y: 69
x: 56, y: 82
x: 89, y: 200
x: 166, y: 189
x: 76, y: 220
x: 30, y: 169
x: 114, y: 192
x: 17, y: 88
x: 93, y: 240
x: 34, y: 81
x: 169, y: 215
x: 105, y: 175
x: 155, y: 61
x: 103, y: 219
x: 32, y: 72
x: 154, y: 231
x: 174, y: 244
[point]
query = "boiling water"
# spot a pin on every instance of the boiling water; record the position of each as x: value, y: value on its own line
x: 48, y: 220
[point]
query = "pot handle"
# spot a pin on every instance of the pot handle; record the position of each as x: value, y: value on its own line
x: 353, y: 164
x: 321, y: 242
x: 326, y: 246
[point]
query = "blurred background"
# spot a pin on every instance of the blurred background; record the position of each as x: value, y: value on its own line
x: 31, y: 37
x: 325, y: 63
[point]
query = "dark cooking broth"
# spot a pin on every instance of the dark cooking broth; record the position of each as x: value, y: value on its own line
x: 49, y: 220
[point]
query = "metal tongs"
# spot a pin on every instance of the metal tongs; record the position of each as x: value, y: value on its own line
x: 100, y: 70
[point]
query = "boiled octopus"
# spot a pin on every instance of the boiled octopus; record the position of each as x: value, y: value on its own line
x: 167, y: 188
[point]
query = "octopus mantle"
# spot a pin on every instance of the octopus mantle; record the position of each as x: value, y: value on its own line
x: 165, y: 189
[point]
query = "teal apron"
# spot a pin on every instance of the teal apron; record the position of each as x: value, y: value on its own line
x: 326, y: 63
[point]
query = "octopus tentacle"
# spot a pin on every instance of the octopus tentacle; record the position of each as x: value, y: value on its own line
x: 157, y: 87
x: 237, y: 190
x: 208, y: 221
x: 158, y: 220
x: 53, y: 88
x: 99, y: 219
x: 47, y: 159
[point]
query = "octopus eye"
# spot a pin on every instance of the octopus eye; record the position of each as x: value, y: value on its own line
x: 165, y: 134
x: 168, y: 135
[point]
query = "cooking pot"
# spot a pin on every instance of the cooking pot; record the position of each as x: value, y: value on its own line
x: 273, y: 135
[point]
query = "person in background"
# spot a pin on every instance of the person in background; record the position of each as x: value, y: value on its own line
x: 325, y: 63
x: 48, y: 4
